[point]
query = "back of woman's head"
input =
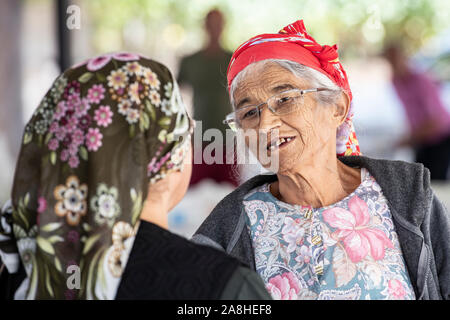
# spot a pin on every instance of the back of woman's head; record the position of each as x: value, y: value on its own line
x: 104, y: 131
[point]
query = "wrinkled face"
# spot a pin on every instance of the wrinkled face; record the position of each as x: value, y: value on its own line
x: 303, y: 134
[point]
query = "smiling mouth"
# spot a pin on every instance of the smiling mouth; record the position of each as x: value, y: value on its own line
x: 280, y: 143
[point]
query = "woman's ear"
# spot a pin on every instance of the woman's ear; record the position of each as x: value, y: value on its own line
x: 342, y: 107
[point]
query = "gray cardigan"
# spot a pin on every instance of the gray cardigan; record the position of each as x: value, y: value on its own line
x: 421, y: 222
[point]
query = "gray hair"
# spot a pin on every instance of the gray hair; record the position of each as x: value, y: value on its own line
x: 316, y: 79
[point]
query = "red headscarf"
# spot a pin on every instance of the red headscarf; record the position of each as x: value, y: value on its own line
x: 295, y: 44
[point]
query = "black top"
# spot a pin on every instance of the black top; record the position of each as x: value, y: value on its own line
x: 163, y: 265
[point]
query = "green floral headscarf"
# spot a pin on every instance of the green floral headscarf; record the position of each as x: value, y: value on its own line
x: 104, y: 130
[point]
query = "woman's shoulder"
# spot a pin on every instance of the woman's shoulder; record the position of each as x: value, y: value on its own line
x: 394, y: 171
x: 163, y: 265
x: 168, y: 244
x: 406, y: 185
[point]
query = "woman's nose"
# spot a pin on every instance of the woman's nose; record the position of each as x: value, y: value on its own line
x: 268, y: 120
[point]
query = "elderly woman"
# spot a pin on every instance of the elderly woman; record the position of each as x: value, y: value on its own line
x: 105, y: 157
x: 330, y: 224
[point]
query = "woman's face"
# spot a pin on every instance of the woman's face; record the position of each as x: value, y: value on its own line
x: 311, y: 128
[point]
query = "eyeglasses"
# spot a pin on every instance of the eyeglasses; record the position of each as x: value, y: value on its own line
x: 280, y: 104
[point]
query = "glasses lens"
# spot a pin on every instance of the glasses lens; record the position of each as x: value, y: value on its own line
x: 247, y: 117
x: 286, y: 102
x: 232, y: 125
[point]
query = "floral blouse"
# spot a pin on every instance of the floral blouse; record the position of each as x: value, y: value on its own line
x: 348, y: 250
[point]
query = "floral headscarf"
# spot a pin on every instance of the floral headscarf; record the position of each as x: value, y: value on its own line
x: 104, y: 130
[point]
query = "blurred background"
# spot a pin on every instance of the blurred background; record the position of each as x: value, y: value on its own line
x: 39, y: 38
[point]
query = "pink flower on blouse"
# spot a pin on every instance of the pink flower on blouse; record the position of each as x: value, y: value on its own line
x: 396, y: 290
x: 284, y: 286
x: 293, y: 234
x: 357, y: 235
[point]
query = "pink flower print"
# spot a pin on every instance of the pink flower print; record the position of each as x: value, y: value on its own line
x: 84, y: 122
x: 357, y: 235
x: 73, y: 149
x: 72, y: 124
x: 304, y: 255
x: 54, y: 127
x: 64, y: 155
x: 68, y: 125
x: 294, y: 239
x: 396, y: 290
x: 151, y: 166
x: 82, y: 108
x: 293, y: 234
x: 53, y: 144
x: 98, y: 62
x: 42, y: 204
x: 103, y: 116
x: 60, y: 110
x: 290, y: 225
x: 67, y: 141
x: 96, y: 93
x: 74, y: 161
x: 77, y: 137
x: 284, y: 287
x: 73, y: 88
x: 154, y: 166
x: 93, y: 139
x: 125, y: 56
x: 60, y: 133
x: 72, y: 101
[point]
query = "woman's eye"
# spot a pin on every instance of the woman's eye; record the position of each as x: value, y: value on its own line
x: 284, y: 100
x: 250, y: 113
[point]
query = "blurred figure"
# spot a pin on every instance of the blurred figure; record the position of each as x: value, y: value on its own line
x: 428, y: 119
x: 205, y: 72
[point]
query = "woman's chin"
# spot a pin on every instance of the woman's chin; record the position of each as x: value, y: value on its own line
x: 282, y: 164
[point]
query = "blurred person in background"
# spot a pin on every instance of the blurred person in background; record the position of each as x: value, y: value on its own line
x: 205, y: 72
x: 428, y: 119
x: 330, y: 223
x: 104, y: 158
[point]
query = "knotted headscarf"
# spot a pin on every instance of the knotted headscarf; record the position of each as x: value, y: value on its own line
x: 105, y: 130
x: 295, y: 44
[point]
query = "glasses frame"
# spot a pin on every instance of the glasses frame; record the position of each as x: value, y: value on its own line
x: 230, y: 119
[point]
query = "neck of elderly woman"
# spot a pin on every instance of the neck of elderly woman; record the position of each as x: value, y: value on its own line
x: 318, y: 181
